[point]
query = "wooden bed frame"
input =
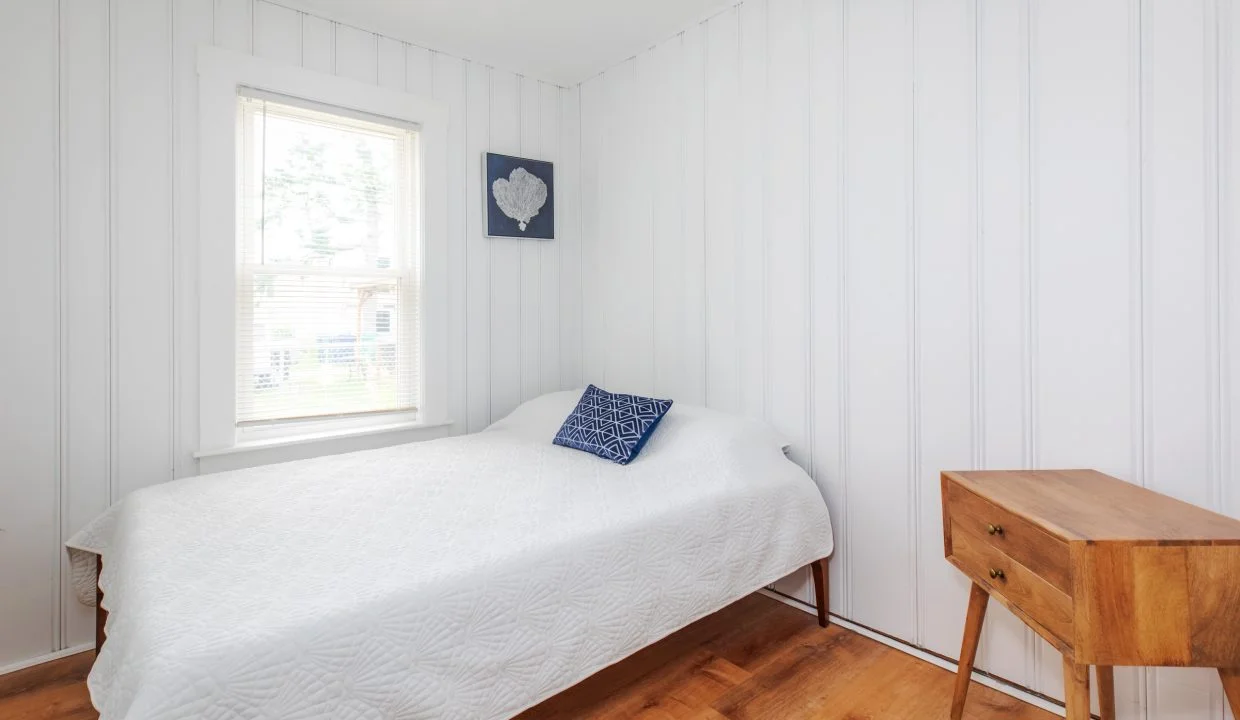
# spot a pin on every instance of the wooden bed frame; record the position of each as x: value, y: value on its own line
x: 822, y: 596
x: 822, y: 591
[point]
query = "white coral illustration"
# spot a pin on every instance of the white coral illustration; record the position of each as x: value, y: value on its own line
x: 521, y: 196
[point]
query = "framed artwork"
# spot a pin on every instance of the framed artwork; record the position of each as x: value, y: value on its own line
x: 520, y: 197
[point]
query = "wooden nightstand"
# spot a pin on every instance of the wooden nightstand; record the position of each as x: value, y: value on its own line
x: 1107, y: 572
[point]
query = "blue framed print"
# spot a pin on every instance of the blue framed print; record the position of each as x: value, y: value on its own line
x: 520, y: 197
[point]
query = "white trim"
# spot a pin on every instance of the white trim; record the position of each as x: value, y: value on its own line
x: 286, y: 450
x: 1016, y: 691
x: 50, y: 657
x: 220, y: 74
x: 335, y: 434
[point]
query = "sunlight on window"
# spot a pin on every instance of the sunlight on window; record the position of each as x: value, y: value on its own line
x: 327, y: 296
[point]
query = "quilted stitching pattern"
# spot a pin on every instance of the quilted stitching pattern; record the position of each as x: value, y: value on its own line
x: 466, y: 578
x: 611, y: 425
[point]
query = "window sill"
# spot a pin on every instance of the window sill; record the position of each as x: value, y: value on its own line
x: 332, y: 442
x: 309, y: 438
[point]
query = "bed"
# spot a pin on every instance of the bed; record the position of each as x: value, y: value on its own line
x: 468, y: 577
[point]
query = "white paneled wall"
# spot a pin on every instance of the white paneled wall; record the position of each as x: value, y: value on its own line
x: 927, y: 234
x: 31, y: 272
x: 98, y: 257
x: 913, y: 234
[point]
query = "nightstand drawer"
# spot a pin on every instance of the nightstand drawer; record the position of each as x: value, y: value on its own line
x: 1040, y: 552
x: 1019, y: 585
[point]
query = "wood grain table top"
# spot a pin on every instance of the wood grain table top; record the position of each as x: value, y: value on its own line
x: 1089, y: 506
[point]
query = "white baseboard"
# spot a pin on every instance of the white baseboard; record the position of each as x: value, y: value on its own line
x: 1016, y: 691
x: 46, y: 658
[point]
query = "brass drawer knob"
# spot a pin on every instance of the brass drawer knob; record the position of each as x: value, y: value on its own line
x: 996, y: 574
x: 994, y: 529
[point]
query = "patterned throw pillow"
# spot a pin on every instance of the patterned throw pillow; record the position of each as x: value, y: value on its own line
x: 612, y: 426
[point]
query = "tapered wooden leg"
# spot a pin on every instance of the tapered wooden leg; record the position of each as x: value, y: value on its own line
x: 1231, y: 687
x: 1106, y: 691
x: 822, y: 592
x: 1076, y: 689
x: 978, y: 599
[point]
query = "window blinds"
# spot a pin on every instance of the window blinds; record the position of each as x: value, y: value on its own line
x: 327, y: 262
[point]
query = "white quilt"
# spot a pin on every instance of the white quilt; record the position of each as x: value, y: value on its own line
x: 468, y: 577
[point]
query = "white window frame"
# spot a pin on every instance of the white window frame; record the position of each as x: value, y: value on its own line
x: 221, y: 74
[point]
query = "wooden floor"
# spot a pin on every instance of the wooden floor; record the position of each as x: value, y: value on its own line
x: 755, y: 659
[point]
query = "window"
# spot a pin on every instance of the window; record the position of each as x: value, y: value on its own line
x: 327, y: 295
x: 323, y: 261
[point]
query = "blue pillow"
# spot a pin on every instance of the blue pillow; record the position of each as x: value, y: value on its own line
x: 612, y: 426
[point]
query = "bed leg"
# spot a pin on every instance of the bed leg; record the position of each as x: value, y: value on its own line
x: 822, y: 591
x: 101, y: 615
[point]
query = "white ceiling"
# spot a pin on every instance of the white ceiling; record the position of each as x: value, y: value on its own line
x: 561, y: 41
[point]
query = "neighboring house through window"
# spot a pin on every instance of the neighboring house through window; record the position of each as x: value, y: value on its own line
x: 383, y: 321
x: 322, y: 292
x: 327, y: 292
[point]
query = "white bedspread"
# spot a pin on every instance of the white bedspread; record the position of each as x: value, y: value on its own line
x: 469, y: 577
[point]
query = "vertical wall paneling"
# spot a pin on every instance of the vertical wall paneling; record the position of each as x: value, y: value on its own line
x: 391, y: 68
x: 627, y: 250
x: 786, y: 222
x: 419, y: 69
x: 786, y: 197
x: 436, y: 277
x: 825, y: 26
x: 593, y: 328
x: 722, y: 181
x: 142, y: 143
x: 357, y: 54
x: 477, y: 251
x: 640, y: 207
x: 549, y: 308
x: 450, y: 88
x: 234, y: 24
x: 945, y: 188
x: 506, y: 365
x: 29, y: 380
x: 692, y: 384
x: 1213, y: 16
x: 1229, y: 243
x: 1002, y: 251
x: 1179, y: 279
x: 568, y: 219
x: 597, y: 208
x: 277, y: 32
x: 530, y: 262
x: 634, y: 330
x: 603, y: 248
x: 1227, y: 36
x: 663, y: 147
x: 1085, y: 68
x: 318, y: 44
x: 84, y: 82
x: 880, y: 407
x: 1176, y: 249
x: 751, y: 311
